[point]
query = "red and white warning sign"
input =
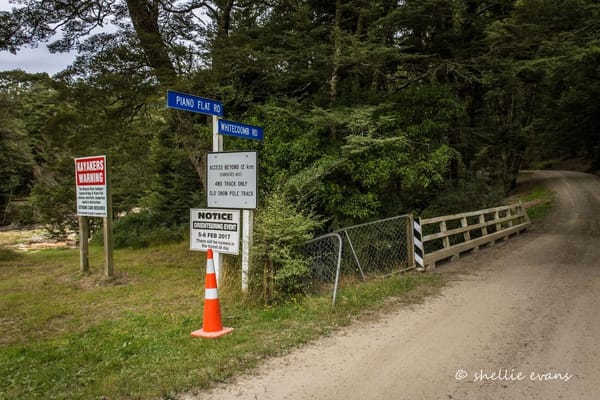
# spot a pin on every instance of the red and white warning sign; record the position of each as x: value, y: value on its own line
x: 90, y: 179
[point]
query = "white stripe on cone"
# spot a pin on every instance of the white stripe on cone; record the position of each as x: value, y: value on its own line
x: 211, y: 294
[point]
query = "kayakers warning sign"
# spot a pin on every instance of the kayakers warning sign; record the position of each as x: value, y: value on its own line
x: 90, y: 179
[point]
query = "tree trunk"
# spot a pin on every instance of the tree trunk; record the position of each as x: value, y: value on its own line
x: 222, y: 17
x: 144, y: 16
x: 337, y: 53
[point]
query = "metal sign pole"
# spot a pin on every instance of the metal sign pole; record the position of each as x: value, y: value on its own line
x: 188, y: 102
x: 247, y: 226
x: 217, y: 147
x: 245, y: 131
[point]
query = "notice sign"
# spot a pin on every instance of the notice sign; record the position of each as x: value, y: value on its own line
x: 215, y: 229
x: 90, y: 179
x: 232, y: 180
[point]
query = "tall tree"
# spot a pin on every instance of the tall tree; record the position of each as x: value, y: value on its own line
x: 16, y: 147
x: 171, y: 35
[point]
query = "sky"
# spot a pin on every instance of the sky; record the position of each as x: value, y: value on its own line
x: 33, y: 60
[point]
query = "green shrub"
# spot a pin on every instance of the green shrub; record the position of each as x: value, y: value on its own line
x: 53, y: 199
x: 20, y: 213
x: 278, y: 269
x: 142, y: 229
x: 463, y: 196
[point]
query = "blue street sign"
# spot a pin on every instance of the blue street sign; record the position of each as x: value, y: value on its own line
x: 231, y: 128
x: 188, y: 102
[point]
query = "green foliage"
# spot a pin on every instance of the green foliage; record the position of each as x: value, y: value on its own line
x: 542, y: 202
x: 279, y: 270
x: 21, y: 213
x: 141, y: 229
x: 53, y: 197
x: 470, y: 194
x: 543, y: 90
x: 174, y: 186
x: 355, y: 163
x: 16, y: 156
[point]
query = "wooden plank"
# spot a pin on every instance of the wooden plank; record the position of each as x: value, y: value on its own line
x: 428, y: 221
x: 513, y: 214
x: 469, y: 228
x: 431, y: 258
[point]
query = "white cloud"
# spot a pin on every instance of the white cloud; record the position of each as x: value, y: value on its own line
x: 36, y: 60
x: 33, y: 60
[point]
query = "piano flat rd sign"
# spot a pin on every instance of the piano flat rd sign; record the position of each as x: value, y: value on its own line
x: 232, y: 180
x: 189, y: 102
x: 215, y: 229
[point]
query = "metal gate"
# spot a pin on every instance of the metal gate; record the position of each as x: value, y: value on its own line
x: 361, y: 252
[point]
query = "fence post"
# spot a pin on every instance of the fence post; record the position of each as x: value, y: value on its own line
x: 496, y: 218
x: 410, y: 242
x: 338, y: 268
x: 523, y: 212
x: 84, y: 254
x: 482, y: 221
x: 464, y: 223
x: 419, y: 247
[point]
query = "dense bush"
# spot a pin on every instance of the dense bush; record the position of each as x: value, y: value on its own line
x: 278, y: 270
x: 141, y: 229
x: 53, y: 198
x: 19, y: 213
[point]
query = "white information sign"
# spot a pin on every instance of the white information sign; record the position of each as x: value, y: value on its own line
x: 215, y: 229
x: 232, y: 180
x: 90, y: 180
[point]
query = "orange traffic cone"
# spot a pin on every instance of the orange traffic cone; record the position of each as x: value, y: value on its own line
x: 212, y: 327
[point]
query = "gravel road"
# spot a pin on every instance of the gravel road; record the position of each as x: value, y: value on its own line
x: 521, y: 321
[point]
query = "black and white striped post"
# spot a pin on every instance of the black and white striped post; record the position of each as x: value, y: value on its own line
x: 419, y: 252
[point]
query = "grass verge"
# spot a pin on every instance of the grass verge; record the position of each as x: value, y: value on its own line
x: 537, y: 199
x: 540, y: 200
x: 68, y: 336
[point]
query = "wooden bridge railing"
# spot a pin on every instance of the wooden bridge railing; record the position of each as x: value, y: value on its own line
x: 449, y: 236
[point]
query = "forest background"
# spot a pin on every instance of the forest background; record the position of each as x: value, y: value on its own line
x: 370, y: 108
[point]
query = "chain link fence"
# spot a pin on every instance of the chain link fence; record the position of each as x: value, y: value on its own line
x: 360, y: 252
x: 325, y: 256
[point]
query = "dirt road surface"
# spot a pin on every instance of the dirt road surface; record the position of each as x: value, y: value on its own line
x: 521, y: 321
